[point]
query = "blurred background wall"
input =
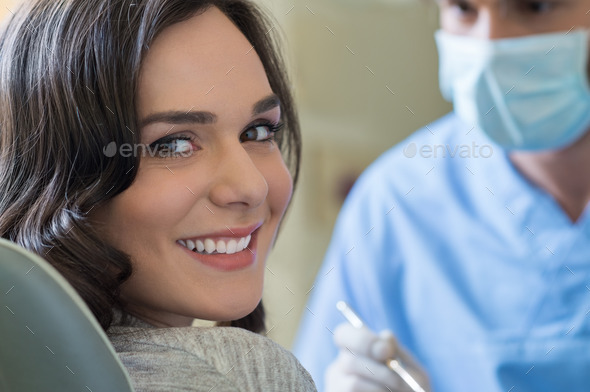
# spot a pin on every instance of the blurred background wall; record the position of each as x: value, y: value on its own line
x: 365, y: 76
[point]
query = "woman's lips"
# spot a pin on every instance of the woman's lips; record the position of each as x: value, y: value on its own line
x: 217, y: 257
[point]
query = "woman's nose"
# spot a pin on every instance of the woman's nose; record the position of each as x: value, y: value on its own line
x: 238, y: 182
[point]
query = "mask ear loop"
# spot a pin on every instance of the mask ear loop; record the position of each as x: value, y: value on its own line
x: 500, y: 105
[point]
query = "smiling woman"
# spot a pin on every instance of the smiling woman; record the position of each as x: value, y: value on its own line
x: 181, y: 228
x: 221, y: 182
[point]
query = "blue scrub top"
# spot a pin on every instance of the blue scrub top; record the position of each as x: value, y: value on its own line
x: 480, y: 274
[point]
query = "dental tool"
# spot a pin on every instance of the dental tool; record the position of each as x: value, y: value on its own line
x: 393, y: 363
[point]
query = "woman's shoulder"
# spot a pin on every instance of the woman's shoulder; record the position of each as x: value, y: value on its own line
x: 207, y: 356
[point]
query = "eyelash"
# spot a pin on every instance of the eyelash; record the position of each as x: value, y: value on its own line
x: 155, y: 149
x: 273, y: 128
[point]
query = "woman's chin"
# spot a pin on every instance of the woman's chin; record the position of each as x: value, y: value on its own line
x: 234, y: 312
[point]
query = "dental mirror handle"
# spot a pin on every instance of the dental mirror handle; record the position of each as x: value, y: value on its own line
x: 393, y: 363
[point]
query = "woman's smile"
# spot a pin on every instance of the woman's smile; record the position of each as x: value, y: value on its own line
x: 226, y: 250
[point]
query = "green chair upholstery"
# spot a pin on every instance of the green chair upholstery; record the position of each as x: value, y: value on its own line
x: 49, y: 339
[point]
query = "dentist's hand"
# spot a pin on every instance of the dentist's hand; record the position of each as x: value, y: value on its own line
x: 360, y: 365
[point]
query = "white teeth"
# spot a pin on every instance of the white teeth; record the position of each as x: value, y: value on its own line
x: 208, y: 245
x: 220, y: 246
x: 232, y: 245
x: 190, y: 244
x: 200, y: 245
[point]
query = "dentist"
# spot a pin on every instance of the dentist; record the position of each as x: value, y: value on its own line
x: 476, y: 266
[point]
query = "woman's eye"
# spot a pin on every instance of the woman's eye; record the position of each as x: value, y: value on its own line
x: 264, y: 132
x: 171, y: 147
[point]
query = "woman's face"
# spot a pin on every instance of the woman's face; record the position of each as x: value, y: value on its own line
x: 211, y: 188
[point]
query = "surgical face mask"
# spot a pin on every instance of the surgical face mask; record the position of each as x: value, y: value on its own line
x: 526, y: 93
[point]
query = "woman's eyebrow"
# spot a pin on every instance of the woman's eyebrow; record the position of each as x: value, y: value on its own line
x: 179, y: 117
x: 202, y: 117
x: 266, y: 104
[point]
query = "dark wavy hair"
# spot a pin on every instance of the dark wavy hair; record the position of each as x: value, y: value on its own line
x: 68, y: 80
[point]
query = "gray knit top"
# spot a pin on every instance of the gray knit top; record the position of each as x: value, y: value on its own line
x: 207, y: 359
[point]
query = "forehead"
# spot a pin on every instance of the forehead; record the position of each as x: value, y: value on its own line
x: 203, y: 61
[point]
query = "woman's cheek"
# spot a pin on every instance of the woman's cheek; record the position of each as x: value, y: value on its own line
x: 280, y: 185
